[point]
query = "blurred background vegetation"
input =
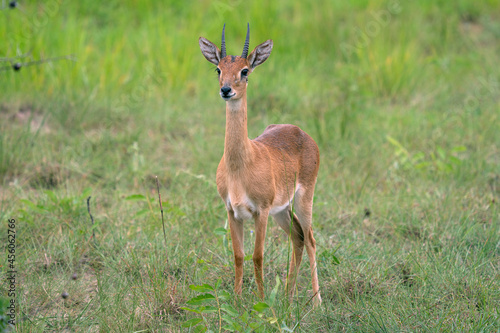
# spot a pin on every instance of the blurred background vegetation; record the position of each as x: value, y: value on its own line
x: 401, y: 96
x: 423, y: 73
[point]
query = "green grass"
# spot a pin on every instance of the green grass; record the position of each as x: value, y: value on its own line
x: 402, y: 97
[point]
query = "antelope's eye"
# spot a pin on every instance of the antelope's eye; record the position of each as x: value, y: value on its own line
x: 217, y: 70
x: 244, y: 72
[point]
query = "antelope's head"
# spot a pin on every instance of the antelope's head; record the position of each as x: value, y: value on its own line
x: 233, y: 71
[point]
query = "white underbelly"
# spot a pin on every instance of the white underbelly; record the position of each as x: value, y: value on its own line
x: 286, y: 204
x: 244, y: 208
x: 278, y: 209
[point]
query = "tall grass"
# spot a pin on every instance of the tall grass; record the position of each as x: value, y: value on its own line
x: 402, y: 98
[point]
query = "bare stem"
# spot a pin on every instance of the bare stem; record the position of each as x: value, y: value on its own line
x: 161, y: 210
x: 16, y: 65
x: 91, y: 217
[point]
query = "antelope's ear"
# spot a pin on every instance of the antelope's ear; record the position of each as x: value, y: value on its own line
x: 260, y: 53
x: 210, y: 51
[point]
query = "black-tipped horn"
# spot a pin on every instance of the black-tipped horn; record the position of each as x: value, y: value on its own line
x: 223, y: 43
x: 247, y: 41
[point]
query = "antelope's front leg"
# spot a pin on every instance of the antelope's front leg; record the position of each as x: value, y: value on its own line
x: 236, y: 228
x: 258, y: 254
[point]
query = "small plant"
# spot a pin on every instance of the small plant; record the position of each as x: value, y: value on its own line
x: 4, y: 317
x: 328, y: 256
x: 203, y: 304
x: 137, y: 158
x: 167, y: 206
x: 438, y: 160
x: 223, y: 231
x: 62, y: 208
x: 212, y: 302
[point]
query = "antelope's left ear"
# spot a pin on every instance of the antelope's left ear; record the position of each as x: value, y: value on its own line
x: 260, y: 53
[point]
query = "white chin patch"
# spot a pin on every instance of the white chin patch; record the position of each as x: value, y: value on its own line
x: 227, y: 98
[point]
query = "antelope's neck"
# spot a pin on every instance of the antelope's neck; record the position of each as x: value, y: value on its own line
x: 237, y: 146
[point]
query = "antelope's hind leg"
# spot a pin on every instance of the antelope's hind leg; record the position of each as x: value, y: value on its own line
x: 304, y: 213
x: 285, y: 222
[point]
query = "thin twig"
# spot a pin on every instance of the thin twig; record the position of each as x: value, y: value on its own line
x: 24, y: 55
x: 91, y: 218
x: 18, y: 65
x: 309, y: 301
x: 162, y: 220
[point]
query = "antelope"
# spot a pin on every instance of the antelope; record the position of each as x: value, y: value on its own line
x: 274, y: 174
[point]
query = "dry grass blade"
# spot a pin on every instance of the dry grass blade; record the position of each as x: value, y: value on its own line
x: 91, y: 218
x: 161, y: 210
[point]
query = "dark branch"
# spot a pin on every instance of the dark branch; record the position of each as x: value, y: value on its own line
x: 161, y: 210
x: 91, y: 218
x: 16, y: 65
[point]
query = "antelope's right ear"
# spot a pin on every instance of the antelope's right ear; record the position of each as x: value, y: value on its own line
x: 210, y: 51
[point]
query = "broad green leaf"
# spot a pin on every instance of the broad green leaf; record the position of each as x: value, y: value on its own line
x: 192, y: 322
x: 441, y: 153
x: 272, y: 297
x: 360, y: 257
x: 422, y: 165
x: 200, y: 329
x: 420, y: 156
x: 260, y: 306
x: 244, y: 317
x: 172, y: 209
x: 227, y: 319
x: 454, y: 160
x: 255, y: 325
x: 200, y: 299
x: 86, y: 193
x: 52, y: 196
x: 458, y: 149
x: 136, y: 197
x: 141, y: 212
x: 229, y: 310
x: 202, y: 288
x: 208, y: 309
x: 220, y: 231
x: 224, y: 295
x: 33, y: 206
x: 237, y: 327
x: 192, y: 310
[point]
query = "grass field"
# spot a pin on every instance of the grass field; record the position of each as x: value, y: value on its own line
x: 402, y: 97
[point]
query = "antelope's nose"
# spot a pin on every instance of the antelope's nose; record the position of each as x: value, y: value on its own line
x: 225, y: 90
